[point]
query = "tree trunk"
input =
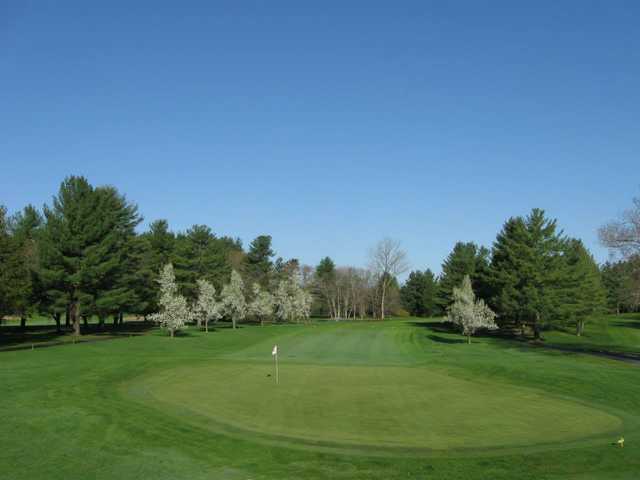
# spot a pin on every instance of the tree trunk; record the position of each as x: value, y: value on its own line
x: 121, y: 318
x: 206, y: 327
x: 74, y: 310
x: 469, y: 339
x: 233, y: 321
x: 172, y: 332
x: 536, y: 327
x: 384, y: 288
x: 23, y: 321
x: 67, y: 316
x: 85, y: 320
x: 56, y: 317
x: 115, y: 320
x: 579, y: 327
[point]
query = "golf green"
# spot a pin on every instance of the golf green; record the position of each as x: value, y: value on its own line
x: 419, y: 408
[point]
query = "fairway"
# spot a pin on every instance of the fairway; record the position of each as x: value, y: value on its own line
x: 376, y: 406
x: 368, y: 400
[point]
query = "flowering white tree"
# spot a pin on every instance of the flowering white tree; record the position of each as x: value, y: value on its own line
x: 262, y: 304
x: 302, y: 303
x: 207, y: 308
x: 234, y: 304
x: 174, y: 311
x: 291, y: 301
x: 469, y: 313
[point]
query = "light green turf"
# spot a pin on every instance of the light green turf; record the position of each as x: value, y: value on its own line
x: 377, y: 406
x: 193, y: 407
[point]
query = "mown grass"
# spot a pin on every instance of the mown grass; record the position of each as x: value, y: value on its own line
x: 606, y: 333
x: 86, y: 410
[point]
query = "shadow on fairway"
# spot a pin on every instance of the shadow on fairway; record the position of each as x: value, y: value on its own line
x: 627, y: 324
x: 16, y: 337
x: 439, y: 339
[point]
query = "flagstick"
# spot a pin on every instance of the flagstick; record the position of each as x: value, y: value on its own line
x: 277, y: 369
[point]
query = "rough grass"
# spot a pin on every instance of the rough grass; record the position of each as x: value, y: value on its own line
x: 193, y: 407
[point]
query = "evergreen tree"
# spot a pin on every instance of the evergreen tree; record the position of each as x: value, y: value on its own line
x: 7, y: 266
x: 583, y: 294
x: 418, y: 293
x: 116, y: 259
x: 258, y: 264
x: 25, y: 227
x: 325, y: 283
x: 83, y: 249
x: 621, y: 281
x: 464, y: 259
x: 200, y: 254
x: 527, y: 271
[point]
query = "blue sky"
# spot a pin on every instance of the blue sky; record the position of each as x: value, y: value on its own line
x: 329, y: 125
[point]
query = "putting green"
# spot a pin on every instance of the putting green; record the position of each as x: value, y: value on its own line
x: 407, y: 407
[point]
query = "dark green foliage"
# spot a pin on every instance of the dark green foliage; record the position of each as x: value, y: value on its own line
x: 7, y: 266
x: 83, y: 250
x: 464, y: 259
x: 528, y: 272
x: 199, y: 254
x: 25, y: 229
x: 583, y: 295
x: 622, y: 283
x: 326, y: 270
x: 258, y: 265
x: 418, y: 294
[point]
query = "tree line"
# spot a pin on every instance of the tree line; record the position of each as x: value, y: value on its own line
x: 535, y: 277
x: 82, y: 257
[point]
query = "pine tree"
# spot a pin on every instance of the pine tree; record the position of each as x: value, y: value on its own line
x: 258, y: 264
x: 418, y: 293
x: 200, y: 254
x: 527, y: 270
x: 25, y: 228
x: 7, y: 266
x: 583, y: 293
x: 464, y: 259
x: 82, y: 250
x: 621, y: 280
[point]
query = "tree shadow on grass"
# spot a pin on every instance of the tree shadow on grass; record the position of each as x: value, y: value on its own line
x: 439, y: 339
x: 16, y: 337
x: 627, y: 324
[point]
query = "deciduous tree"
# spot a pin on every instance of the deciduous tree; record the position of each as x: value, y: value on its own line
x: 174, y: 310
x: 233, y: 300
x: 207, y: 307
x: 388, y: 260
x: 467, y: 312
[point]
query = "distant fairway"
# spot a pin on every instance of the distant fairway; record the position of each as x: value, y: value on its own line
x: 363, y: 400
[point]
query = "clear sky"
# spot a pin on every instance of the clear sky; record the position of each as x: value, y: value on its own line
x: 329, y: 125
